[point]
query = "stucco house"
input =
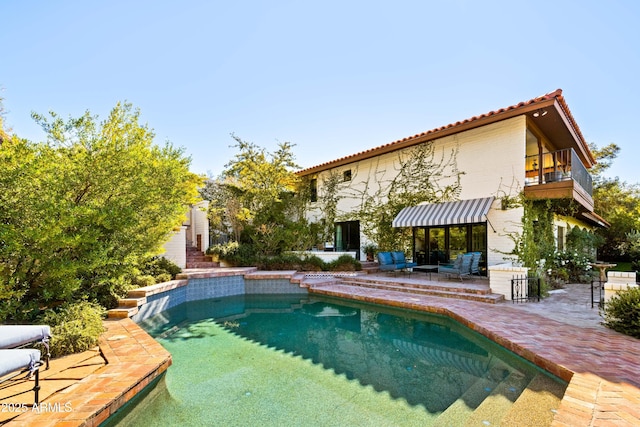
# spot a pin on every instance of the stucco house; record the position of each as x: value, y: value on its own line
x: 479, y: 166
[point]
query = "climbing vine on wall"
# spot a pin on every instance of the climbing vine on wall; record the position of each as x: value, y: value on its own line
x: 421, y: 174
x: 537, y: 240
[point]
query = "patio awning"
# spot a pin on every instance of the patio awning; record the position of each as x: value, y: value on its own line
x: 448, y: 213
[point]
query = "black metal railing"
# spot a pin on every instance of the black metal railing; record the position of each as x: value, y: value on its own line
x: 525, y: 289
x: 597, y: 293
x: 560, y: 165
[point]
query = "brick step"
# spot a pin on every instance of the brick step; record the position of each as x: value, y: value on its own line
x: 410, y: 286
x: 203, y: 264
x: 198, y: 258
x: 349, y: 291
x: 457, y: 292
x: 489, y: 298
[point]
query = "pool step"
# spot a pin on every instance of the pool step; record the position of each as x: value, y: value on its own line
x: 537, y: 404
x: 132, y: 302
x: 471, y: 292
x: 458, y: 412
x: 499, y: 402
x: 122, y: 312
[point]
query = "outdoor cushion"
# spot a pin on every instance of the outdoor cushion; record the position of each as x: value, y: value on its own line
x: 384, y: 258
x: 457, y: 263
x: 12, y: 336
x: 12, y: 360
x: 475, y: 262
x: 401, y: 261
x: 461, y: 266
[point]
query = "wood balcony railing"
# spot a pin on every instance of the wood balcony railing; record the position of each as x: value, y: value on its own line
x: 558, y: 174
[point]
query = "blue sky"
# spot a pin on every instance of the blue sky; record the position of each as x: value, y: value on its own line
x: 332, y: 77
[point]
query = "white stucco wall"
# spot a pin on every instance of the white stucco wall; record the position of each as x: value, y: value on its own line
x: 492, y: 158
x: 200, y: 223
x: 175, y: 249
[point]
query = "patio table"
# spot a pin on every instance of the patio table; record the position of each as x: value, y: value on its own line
x: 427, y: 268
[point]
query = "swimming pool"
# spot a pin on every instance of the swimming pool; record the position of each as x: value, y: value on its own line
x: 300, y: 360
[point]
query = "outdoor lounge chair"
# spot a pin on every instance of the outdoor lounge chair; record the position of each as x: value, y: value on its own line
x: 15, y: 358
x: 461, y: 266
x: 21, y: 361
x: 17, y: 336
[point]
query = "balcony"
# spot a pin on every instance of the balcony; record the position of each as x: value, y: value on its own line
x: 558, y: 175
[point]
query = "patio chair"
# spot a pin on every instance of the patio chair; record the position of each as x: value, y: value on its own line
x: 461, y: 266
x: 475, y: 263
x: 385, y: 262
x: 401, y: 262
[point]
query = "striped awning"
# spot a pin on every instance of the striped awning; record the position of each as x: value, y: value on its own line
x: 448, y: 213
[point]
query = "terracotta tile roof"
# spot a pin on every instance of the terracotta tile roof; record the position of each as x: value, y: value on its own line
x: 458, y: 126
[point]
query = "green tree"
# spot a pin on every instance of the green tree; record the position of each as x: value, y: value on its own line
x: 260, y: 199
x: 81, y: 211
x: 616, y: 201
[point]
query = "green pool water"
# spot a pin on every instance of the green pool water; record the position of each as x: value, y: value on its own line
x: 288, y: 360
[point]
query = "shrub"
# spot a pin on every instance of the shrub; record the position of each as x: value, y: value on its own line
x: 156, y: 266
x: 163, y: 277
x: 75, y: 327
x: 143, y: 280
x: 345, y: 263
x: 280, y: 262
x: 622, y: 312
x: 243, y: 256
x: 312, y: 263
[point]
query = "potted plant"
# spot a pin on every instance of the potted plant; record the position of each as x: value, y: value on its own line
x: 370, y: 250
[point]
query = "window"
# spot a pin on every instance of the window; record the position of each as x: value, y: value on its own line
x: 346, y: 175
x: 561, y: 238
x: 314, y: 189
x: 434, y: 245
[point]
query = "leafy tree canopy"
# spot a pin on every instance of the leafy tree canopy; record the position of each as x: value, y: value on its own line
x: 617, y: 201
x: 81, y: 210
x: 259, y: 199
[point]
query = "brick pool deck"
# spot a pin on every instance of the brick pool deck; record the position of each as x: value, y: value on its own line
x: 561, y: 334
x: 133, y: 360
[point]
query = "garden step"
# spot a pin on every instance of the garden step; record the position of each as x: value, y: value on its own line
x: 198, y: 258
x: 203, y: 264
